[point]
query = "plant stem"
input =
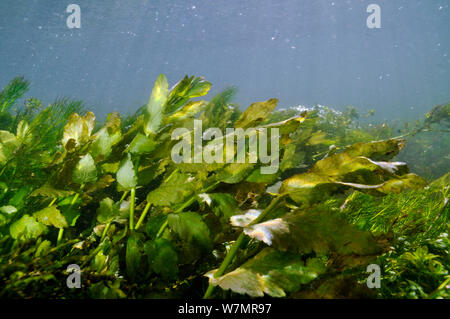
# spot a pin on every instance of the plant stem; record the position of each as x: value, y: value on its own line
x: 133, y: 200
x: 52, y: 202
x: 237, y: 244
x: 60, y: 236
x: 125, y: 193
x: 144, y: 213
x: 61, y: 230
x: 228, y: 258
x: 105, y: 231
x: 161, y: 229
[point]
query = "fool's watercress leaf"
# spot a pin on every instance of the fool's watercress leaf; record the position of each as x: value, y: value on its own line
x: 8, y: 144
x: 223, y: 204
x: 155, y: 105
x: 49, y: 191
x: 191, y: 229
x: 270, y: 272
x: 175, y: 189
x: 43, y: 248
x: 51, y: 216
x: 377, y: 151
x: 85, y: 170
x: 23, y: 134
x: 71, y: 215
x: 107, y: 211
x: 162, y: 258
x: 78, y: 130
x: 256, y: 113
x: 126, y: 175
x: 27, y: 228
x: 134, y: 256
x: 141, y: 144
x: 154, y: 224
x: 187, y: 111
x: 103, y: 143
x: 314, y: 231
x: 8, y: 209
x: 187, y: 88
x: 234, y: 173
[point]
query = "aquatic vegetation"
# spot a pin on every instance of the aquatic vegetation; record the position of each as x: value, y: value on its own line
x: 110, y: 199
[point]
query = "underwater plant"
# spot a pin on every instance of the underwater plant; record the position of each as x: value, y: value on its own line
x: 110, y: 199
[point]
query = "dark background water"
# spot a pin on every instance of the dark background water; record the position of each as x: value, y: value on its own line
x: 299, y: 51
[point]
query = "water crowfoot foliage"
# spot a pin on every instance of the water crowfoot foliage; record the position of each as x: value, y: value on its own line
x: 109, y: 198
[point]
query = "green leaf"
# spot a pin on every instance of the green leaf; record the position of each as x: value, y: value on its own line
x: 162, y: 258
x: 187, y: 111
x: 49, y: 191
x: 187, y: 88
x: 256, y: 113
x: 24, y: 135
x: 126, y: 175
x: 314, y: 231
x: 377, y: 151
x: 8, y: 144
x: 235, y: 172
x: 85, y: 171
x: 339, y: 172
x: 8, y: 209
x: 51, y: 216
x: 154, y: 224
x: 78, y: 130
x: 71, y: 215
x: 191, y: 229
x: 176, y: 190
x: 223, y: 204
x: 141, y: 144
x: 43, y: 248
x: 27, y: 228
x: 107, y: 211
x: 155, y: 105
x: 134, y: 256
x: 270, y: 272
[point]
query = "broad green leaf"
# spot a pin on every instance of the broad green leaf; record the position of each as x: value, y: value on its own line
x: 23, y: 133
x: 78, y: 130
x: 154, y: 224
x: 126, y: 175
x: 270, y: 272
x: 155, y: 105
x: 176, y: 190
x: 235, y: 172
x: 141, y: 144
x: 187, y: 88
x: 85, y: 171
x: 8, y: 144
x: 103, y: 143
x: 107, y: 211
x: 49, y: 191
x: 191, y: 229
x: 162, y: 258
x: 339, y: 172
x: 256, y: 113
x: 222, y: 204
x: 71, y: 215
x: 377, y: 151
x: 43, y: 248
x: 314, y: 231
x: 134, y: 256
x: 8, y: 209
x: 51, y: 216
x: 27, y: 228
x: 187, y: 111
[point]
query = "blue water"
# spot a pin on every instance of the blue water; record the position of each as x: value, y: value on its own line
x: 299, y: 51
